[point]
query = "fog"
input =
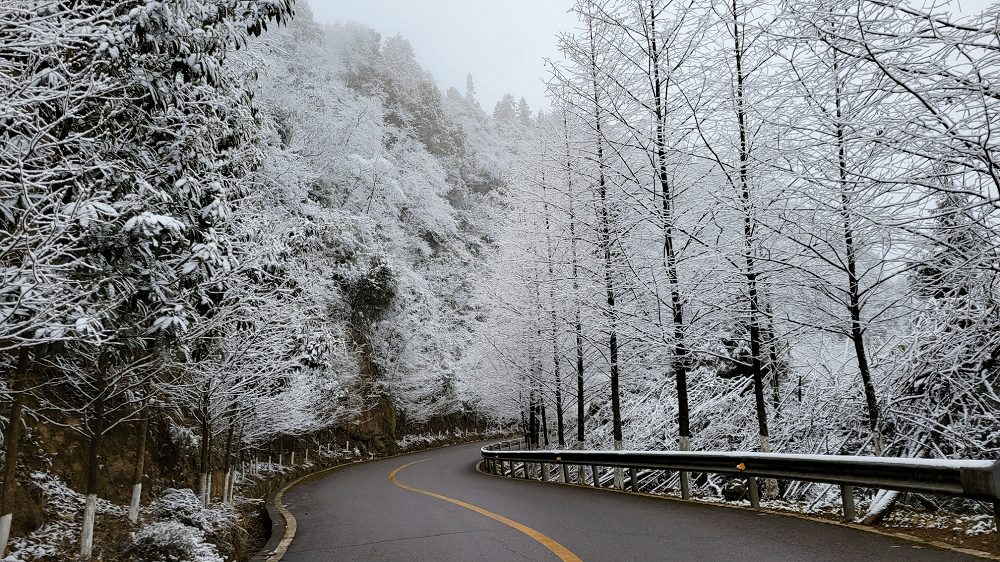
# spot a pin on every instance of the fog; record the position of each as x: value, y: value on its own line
x: 503, y: 44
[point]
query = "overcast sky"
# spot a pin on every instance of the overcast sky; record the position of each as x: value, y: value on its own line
x: 501, y: 42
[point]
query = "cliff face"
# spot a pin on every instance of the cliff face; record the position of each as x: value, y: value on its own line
x: 376, y: 427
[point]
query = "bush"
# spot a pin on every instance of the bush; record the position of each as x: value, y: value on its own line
x: 182, y: 506
x: 173, y: 541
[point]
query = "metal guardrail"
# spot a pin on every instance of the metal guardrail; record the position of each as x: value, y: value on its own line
x: 977, y: 480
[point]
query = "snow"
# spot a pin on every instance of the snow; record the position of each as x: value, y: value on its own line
x: 61, y: 531
x: 344, y: 234
x: 173, y: 541
x: 882, y: 499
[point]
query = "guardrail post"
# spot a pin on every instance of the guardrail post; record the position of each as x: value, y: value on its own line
x: 563, y: 473
x: 633, y: 475
x: 545, y: 472
x: 754, y: 492
x: 847, y: 499
x: 597, y: 476
x: 686, y: 485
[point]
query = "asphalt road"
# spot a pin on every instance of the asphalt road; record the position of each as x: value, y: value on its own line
x: 358, y: 514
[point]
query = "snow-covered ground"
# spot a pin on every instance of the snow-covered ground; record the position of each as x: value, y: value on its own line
x: 175, y: 528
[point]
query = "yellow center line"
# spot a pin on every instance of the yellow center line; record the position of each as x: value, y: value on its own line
x: 559, y: 550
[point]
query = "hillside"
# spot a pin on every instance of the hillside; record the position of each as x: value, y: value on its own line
x: 292, y: 267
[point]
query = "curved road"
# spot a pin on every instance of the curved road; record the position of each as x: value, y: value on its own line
x: 358, y: 514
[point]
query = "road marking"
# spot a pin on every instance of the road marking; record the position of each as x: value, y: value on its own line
x: 290, y: 525
x: 559, y: 550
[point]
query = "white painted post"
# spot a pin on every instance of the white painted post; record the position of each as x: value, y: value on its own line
x: 133, y: 508
x: 307, y: 455
x: 5, y: 531
x: 208, y: 490
x: 293, y: 459
x: 87, y: 534
x: 202, y: 487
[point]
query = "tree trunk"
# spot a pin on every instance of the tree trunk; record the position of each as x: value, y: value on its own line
x: 140, y: 457
x: 560, y: 424
x: 616, y: 413
x: 555, y: 327
x: 12, y: 448
x: 882, y: 505
x: 605, y: 236
x: 206, y: 437
x: 749, y: 235
x: 577, y: 324
x: 772, y: 364
x: 670, y: 255
x: 227, y: 464
x: 545, y: 423
x: 90, y: 508
x: 854, y: 285
x: 532, y: 422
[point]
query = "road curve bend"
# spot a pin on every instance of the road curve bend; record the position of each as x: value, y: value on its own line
x: 434, y: 506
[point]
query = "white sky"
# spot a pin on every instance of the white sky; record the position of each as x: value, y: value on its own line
x: 501, y: 42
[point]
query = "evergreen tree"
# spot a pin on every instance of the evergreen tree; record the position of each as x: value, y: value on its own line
x: 470, y: 89
x: 505, y: 110
x: 523, y: 113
